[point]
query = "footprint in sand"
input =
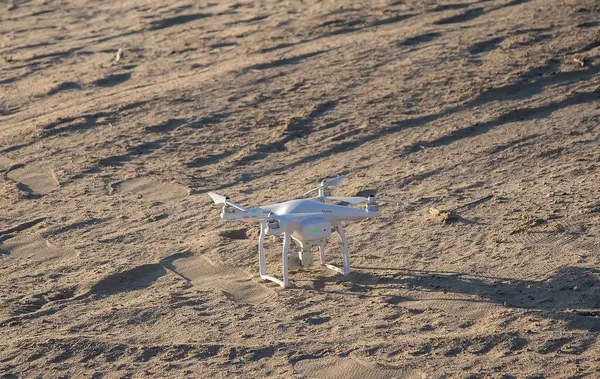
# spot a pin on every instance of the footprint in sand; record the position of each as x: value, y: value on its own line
x: 234, y: 283
x: 335, y: 368
x: 153, y: 190
x: 33, y: 248
x: 34, y: 180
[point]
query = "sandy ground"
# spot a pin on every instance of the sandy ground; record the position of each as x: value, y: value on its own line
x: 114, y: 262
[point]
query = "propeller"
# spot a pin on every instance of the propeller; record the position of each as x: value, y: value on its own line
x: 220, y: 199
x: 370, y: 199
x: 327, y: 183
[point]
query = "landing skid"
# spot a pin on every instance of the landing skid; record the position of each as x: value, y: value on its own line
x: 285, y: 253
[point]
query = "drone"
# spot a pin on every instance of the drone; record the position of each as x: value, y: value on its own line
x: 308, y: 222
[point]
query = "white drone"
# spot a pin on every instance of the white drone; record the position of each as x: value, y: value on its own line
x: 307, y: 222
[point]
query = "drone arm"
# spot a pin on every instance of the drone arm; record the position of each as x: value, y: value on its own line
x: 237, y: 215
x: 220, y: 199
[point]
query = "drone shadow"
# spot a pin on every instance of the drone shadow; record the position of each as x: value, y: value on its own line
x: 571, y: 293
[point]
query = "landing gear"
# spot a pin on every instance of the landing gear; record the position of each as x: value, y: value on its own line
x: 261, y: 257
x: 345, y: 255
x: 304, y: 256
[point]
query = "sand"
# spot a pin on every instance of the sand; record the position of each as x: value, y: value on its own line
x: 113, y: 259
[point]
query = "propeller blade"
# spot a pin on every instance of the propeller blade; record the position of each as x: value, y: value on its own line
x: 335, y: 181
x: 312, y: 190
x: 327, y: 183
x: 218, y: 199
x: 349, y: 199
x: 236, y: 206
x: 394, y: 201
x: 361, y: 199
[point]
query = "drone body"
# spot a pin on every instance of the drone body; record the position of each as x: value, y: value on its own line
x: 306, y: 222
